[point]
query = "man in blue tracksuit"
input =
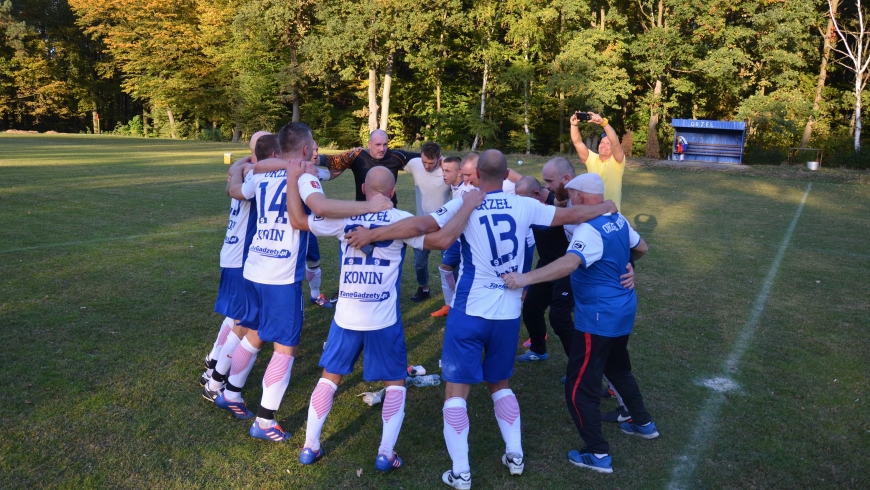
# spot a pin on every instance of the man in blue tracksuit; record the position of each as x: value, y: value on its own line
x: 603, y: 318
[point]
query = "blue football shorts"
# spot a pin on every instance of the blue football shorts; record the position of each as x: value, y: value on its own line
x: 467, y: 338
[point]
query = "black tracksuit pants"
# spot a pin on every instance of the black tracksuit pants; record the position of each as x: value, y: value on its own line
x: 558, y: 297
x: 591, y: 356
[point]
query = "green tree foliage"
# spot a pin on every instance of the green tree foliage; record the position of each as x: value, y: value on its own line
x: 465, y: 73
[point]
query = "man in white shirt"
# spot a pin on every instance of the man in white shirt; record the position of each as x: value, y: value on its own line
x: 273, y: 272
x: 368, y: 318
x: 231, y: 293
x: 431, y: 192
x: 484, y: 316
x: 451, y: 170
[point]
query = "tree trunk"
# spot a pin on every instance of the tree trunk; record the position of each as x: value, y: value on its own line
x: 144, y: 122
x: 652, y: 134
x: 295, y: 89
x: 237, y: 133
x: 858, y: 90
x: 602, y: 19
x: 526, y: 87
x: 823, y: 74
x: 171, y: 123
x: 373, y: 93
x: 385, y: 97
x: 852, y: 124
x: 561, y: 121
x: 482, y: 103
x: 96, y: 119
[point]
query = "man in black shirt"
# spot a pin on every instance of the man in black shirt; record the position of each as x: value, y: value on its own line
x: 359, y: 161
x: 552, y: 244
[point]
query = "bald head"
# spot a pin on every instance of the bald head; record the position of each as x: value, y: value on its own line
x: 379, y: 180
x: 256, y: 136
x: 492, y: 169
x: 378, y: 144
x: 527, y: 186
x: 556, y: 173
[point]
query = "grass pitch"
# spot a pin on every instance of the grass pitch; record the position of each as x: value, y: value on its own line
x: 110, y: 268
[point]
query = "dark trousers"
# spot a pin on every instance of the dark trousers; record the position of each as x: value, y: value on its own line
x: 558, y: 297
x: 591, y: 356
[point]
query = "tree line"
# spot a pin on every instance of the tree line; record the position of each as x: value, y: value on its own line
x: 466, y: 74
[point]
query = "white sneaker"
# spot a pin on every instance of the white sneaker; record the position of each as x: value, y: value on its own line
x: 514, y: 462
x: 463, y: 480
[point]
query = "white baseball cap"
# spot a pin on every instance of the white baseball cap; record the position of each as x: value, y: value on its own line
x: 589, y: 183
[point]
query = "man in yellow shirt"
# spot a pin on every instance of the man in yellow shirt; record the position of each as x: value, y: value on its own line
x: 608, y: 163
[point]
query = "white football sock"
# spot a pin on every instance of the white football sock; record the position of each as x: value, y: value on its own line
x: 275, y: 380
x: 393, y: 413
x: 507, y: 414
x: 226, y: 327
x: 318, y: 409
x: 448, y: 285
x: 225, y: 359
x: 243, y: 361
x: 314, y: 276
x: 456, y: 427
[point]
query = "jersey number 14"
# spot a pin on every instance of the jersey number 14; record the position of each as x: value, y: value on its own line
x: 274, y: 205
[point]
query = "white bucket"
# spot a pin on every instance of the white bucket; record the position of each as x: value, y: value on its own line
x: 812, y: 165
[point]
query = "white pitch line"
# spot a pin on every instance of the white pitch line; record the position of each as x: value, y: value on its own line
x: 107, y: 239
x: 709, y: 413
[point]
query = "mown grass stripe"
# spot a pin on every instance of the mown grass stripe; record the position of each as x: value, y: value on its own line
x: 688, y: 460
x: 107, y: 239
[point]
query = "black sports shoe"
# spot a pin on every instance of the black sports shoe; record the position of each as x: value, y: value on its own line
x: 420, y: 295
x: 618, y: 414
x: 334, y: 298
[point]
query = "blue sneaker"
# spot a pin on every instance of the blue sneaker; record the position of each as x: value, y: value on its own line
x: 530, y: 356
x: 310, y: 456
x: 647, y: 431
x: 382, y: 463
x: 585, y: 459
x: 274, y: 433
x: 321, y: 301
x: 563, y: 379
x: 238, y: 409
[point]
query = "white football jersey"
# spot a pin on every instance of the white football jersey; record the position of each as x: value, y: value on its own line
x: 240, y: 230
x: 277, y: 252
x: 369, y: 285
x: 492, y: 244
x: 461, y: 189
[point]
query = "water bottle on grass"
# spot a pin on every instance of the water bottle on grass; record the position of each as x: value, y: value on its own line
x: 421, y: 381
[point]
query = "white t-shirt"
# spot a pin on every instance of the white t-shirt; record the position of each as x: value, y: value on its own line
x: 233, y: 250
x: 493, y: 244
x: 277, y: 252
x: 368, y: 285
x: 429, y: 187
x: 509, y: 187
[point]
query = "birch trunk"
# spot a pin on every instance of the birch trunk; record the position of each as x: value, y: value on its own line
x: 385, y: 97
x: 561, y: 121
x: 858, y: 89
x: 482, y: 102
x: 373, y: 94
x: 95, y: 117
x: 171, y: 123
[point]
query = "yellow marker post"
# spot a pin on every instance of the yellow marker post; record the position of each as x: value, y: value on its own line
x: 228, y: 158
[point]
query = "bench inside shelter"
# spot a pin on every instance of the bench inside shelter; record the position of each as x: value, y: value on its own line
x: 709, y: 141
